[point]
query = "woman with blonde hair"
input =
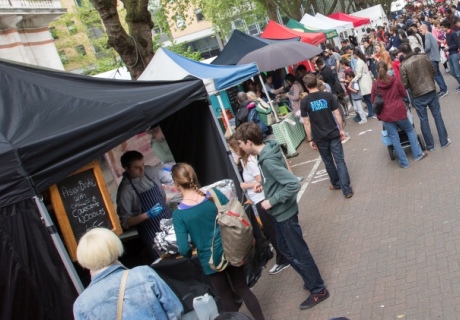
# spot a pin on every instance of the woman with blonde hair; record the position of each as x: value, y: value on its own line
x: 394, y: 114
x: 146, y: 295
x: 383, y: 55
x: 195, y: 218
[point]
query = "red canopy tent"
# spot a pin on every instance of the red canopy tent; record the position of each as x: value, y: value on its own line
x: 278, y: 32
x: 357, y: 21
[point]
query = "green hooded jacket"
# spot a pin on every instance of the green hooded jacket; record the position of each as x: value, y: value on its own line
x: 280, y: 185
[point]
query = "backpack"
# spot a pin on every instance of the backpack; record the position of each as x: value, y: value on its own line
x: 265, y: 112
x: 235, y: 232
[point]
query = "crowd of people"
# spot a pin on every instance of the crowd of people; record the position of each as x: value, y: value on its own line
x: 394, y: 66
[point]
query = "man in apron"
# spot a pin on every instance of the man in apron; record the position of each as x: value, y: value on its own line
x: 141, y: 198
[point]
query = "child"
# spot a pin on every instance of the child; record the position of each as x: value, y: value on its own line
x: 356, y: 96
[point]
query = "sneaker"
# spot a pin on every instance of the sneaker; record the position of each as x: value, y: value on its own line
x: 430, y: 149
x: 300, y: 178
x: 314, y: 299
x: 362, y: 121
x: 278, y: 268
x: 447, y: 144
x: 458, y: 89
x: 442, y: 94
x: 347, y: 138
x: 348, y: 196
x: 424, y: 155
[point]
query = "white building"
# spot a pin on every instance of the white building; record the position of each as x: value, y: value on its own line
x: 24, y: 34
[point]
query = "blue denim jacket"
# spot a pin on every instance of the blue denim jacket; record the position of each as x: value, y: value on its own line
x: 147, y: 296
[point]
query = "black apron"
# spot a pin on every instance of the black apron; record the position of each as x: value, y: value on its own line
x: 147, y: 229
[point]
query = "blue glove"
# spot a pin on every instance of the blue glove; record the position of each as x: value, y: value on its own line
x: 154, y: 211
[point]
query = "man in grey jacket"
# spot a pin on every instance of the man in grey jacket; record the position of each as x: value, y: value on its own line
x: 432, y: 51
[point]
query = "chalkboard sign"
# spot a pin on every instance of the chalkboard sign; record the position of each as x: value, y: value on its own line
x: 82, y: 202
x: 232, y: 96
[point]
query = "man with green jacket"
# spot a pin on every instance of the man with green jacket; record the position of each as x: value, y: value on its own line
x: 281, y: 187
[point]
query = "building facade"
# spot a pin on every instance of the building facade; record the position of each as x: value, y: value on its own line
x: 24, y: 33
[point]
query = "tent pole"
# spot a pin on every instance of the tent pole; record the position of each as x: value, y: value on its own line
x: 224, y: 113
x: 59, y: 245
x: 268, y: 97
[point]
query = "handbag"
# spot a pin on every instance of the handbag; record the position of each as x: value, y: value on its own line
x: 378, y: 102
x: 121, y: 295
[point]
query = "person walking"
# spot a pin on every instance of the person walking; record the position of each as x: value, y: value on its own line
x: 452, y: 47
x: 394, y: 114
x: 194, y: 224
x: 432, y: 51
x: 251, y: 177
x: 281, y: 187
x: 324, y: 127
x: 417, y: 74
x: 364, y: 78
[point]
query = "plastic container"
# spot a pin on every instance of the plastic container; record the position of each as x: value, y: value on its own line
x: 205, y: 307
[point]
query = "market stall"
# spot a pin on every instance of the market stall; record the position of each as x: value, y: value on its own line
x: 297, y: 26
x: 167, y: 65
x: 357, y: 21
x: 241, y: 44
x: 341, y: 26
x: 53, y: 123
x: 274, y: 30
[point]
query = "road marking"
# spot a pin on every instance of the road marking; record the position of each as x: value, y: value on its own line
x: 308, y: 179
x: 321, y: 175
x: 302, y: 163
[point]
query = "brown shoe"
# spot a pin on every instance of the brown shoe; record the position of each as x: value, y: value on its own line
x: 331, y: 187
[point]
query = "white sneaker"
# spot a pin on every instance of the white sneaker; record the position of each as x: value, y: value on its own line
x: 362, y: 121
x: 278, y: 268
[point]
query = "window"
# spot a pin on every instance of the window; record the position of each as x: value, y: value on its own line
x: 53, y: 33
x: 81, y: 50
x: 253, y: 30
x: 199, y: 15
x: 180, y: 23
x: 71, y: 27
x: 63, y: 56
x: 95, y: 31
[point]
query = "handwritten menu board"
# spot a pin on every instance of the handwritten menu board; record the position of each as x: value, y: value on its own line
x: 82, y: 202
x: 232, y: 93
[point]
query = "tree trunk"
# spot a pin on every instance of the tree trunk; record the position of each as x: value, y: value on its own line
x: 135, y: 48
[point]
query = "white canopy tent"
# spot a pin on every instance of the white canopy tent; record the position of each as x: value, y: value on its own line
x: 311, y: 22
x: 340, y: 26
x: 375, y: 13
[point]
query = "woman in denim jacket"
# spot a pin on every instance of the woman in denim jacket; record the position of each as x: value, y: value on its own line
x: 146, y: 295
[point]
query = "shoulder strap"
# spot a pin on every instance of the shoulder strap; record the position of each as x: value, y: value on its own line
x: 223, y: 262
x: 121, y: 295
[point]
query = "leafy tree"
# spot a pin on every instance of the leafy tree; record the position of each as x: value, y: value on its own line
x: 135, y: 47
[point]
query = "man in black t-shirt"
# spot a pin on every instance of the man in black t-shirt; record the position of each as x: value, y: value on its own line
x: 324, y: 127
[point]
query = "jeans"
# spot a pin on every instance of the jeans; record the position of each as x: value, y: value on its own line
x: 370, y: 109
x: 331, y: 152
x: 373, y: 68
x: 392, y: 128
x: 295, y: 249
x: 432, y: 101
x: 454, y: 67
x: 438, y: 77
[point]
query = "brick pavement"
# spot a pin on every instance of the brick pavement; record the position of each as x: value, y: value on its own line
x: 390, y: 252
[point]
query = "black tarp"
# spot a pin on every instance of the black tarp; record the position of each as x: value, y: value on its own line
x: 241, y: 44
x: 51, y: 124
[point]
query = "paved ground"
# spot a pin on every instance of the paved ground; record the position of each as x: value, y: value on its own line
x: 390, y: 252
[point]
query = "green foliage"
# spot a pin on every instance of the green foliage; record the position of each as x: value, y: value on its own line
x: 184, y: 50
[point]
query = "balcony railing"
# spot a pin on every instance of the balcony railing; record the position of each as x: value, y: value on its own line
x: 29, y: 4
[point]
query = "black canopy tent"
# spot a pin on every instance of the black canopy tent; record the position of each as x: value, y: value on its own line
x: 51, y: 124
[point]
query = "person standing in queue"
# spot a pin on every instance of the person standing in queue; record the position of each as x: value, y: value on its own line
x: 141, y: 200
x: 195, y: 226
